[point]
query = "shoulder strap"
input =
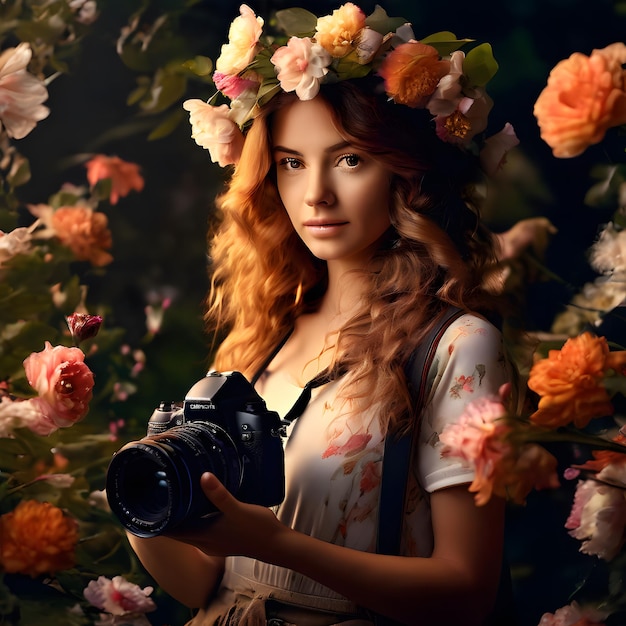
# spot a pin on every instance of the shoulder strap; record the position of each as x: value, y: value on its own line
x: 398, y: 448
x: 397, y: 455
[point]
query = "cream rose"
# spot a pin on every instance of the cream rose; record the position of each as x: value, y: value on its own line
x: 212, y: 129
x: 243, y: 37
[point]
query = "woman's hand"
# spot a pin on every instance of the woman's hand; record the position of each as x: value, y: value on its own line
x: 239, y: 530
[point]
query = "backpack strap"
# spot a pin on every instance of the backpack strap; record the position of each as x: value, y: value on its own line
x: 397, y: 456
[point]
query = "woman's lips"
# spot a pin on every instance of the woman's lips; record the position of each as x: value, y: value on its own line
x: 324, y: 227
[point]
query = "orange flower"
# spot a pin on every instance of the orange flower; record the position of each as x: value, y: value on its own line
x: 125, y: 176
x: 412, y: 72
x: 569, y: 382
x: 337, y: 33
x: 37, y: 538
x: 584, y: 97
x: 84, y: 232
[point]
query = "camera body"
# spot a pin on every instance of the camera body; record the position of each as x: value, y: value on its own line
x: 223, y: 427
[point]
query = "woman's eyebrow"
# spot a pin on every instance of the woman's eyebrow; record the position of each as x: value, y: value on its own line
x: 338, y: 146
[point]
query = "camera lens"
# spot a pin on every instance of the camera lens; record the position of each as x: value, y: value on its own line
x: 154, y: 484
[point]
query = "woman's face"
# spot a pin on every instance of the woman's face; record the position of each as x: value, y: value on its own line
x: 336, y: 195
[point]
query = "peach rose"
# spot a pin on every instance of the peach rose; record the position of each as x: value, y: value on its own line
x: 85, y: 232
x: 569, y: 382
x: 584, y: 97
x: 63, y: 381
x: 21, y: 93
x: 212, y: 128
x: 337, y: 33
x: 301, y: 64
x: 412, y: 72
x: 124, y: 176
x: 37, y: 538
x: 243, y: 37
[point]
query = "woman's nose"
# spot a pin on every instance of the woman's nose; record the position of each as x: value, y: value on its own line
x: 319, y: 188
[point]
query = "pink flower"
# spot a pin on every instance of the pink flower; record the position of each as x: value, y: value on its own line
x: 21, y: 93
x: 18, y: 241
x: 301, y: 64
x: 64, y: 384
x: 212, y: 128
x: 234, y: 86
x: 573, y: 615
x: 356, y: 443
x: 124, y: 176
x: 243, y: 38
x: 118, y: 596
x: 493, y: 153
x: 598, y: 518
x: 83, y: 326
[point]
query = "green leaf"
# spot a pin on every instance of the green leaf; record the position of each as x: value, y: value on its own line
x: 8, y: 220
x: 267, y: 91
x: 199, y: 65
x: 480, y: 65
x: 167, y: 89
x: 445, y: 42
x: 167, y: 126
x: 382, y: 23
x: 347, y: 67
x: 296, y: 22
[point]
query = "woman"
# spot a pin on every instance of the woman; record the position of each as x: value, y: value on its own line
x: 347, y: 231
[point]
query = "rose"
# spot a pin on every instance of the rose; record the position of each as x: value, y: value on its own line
x: 85, y: 232
x: 584, y: 97
x: 412, y: 72
x: 124, y: 176
x: 63, y: 381
x: 243, y: 37
x: 234, y: 86
x: 337, y: 33
x: 212, y: 128
x: 21, y: 93
x: 83, y: 326
x: 301, y: 64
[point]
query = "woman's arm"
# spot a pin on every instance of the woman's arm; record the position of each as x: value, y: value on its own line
x: 456, y: 585
x: 186, y: 573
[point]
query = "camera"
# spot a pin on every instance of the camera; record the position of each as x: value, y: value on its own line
x: 223, y: 427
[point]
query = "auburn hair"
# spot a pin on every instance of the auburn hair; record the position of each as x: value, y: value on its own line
x: 437, y: 251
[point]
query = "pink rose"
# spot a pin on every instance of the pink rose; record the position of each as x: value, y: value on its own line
x: 212, y: 128
x: 301, y: 64
x: 63, y: 381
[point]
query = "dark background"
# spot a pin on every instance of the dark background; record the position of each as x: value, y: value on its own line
x: 159, y: 234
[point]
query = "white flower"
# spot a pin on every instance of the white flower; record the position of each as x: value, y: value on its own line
x: 21, y: 93
x: 608, y: 253
x: 493, y: 154
x: 118, y: 596
x: 18, y: 241
x: 447, y: 95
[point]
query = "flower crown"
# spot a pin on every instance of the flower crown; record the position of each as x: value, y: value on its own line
x: 432, y: 73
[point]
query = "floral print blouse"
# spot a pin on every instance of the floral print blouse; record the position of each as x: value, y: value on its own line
x: 333, y: 462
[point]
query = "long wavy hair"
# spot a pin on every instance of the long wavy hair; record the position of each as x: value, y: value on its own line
x: 437, y: 251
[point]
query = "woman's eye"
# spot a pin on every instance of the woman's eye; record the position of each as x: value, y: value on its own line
x: 351, y: 160
x: 290, y: 163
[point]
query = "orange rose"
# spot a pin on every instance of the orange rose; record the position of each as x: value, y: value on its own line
x: 124, y: 176
x: 37, y: 538
x: 84, y: 232
x: 569, y: 382
x: 337, y: 33
x: 412, y: 72
x: 584, y: 97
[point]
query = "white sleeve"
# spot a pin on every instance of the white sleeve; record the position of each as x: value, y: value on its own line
x: 469, y: 363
